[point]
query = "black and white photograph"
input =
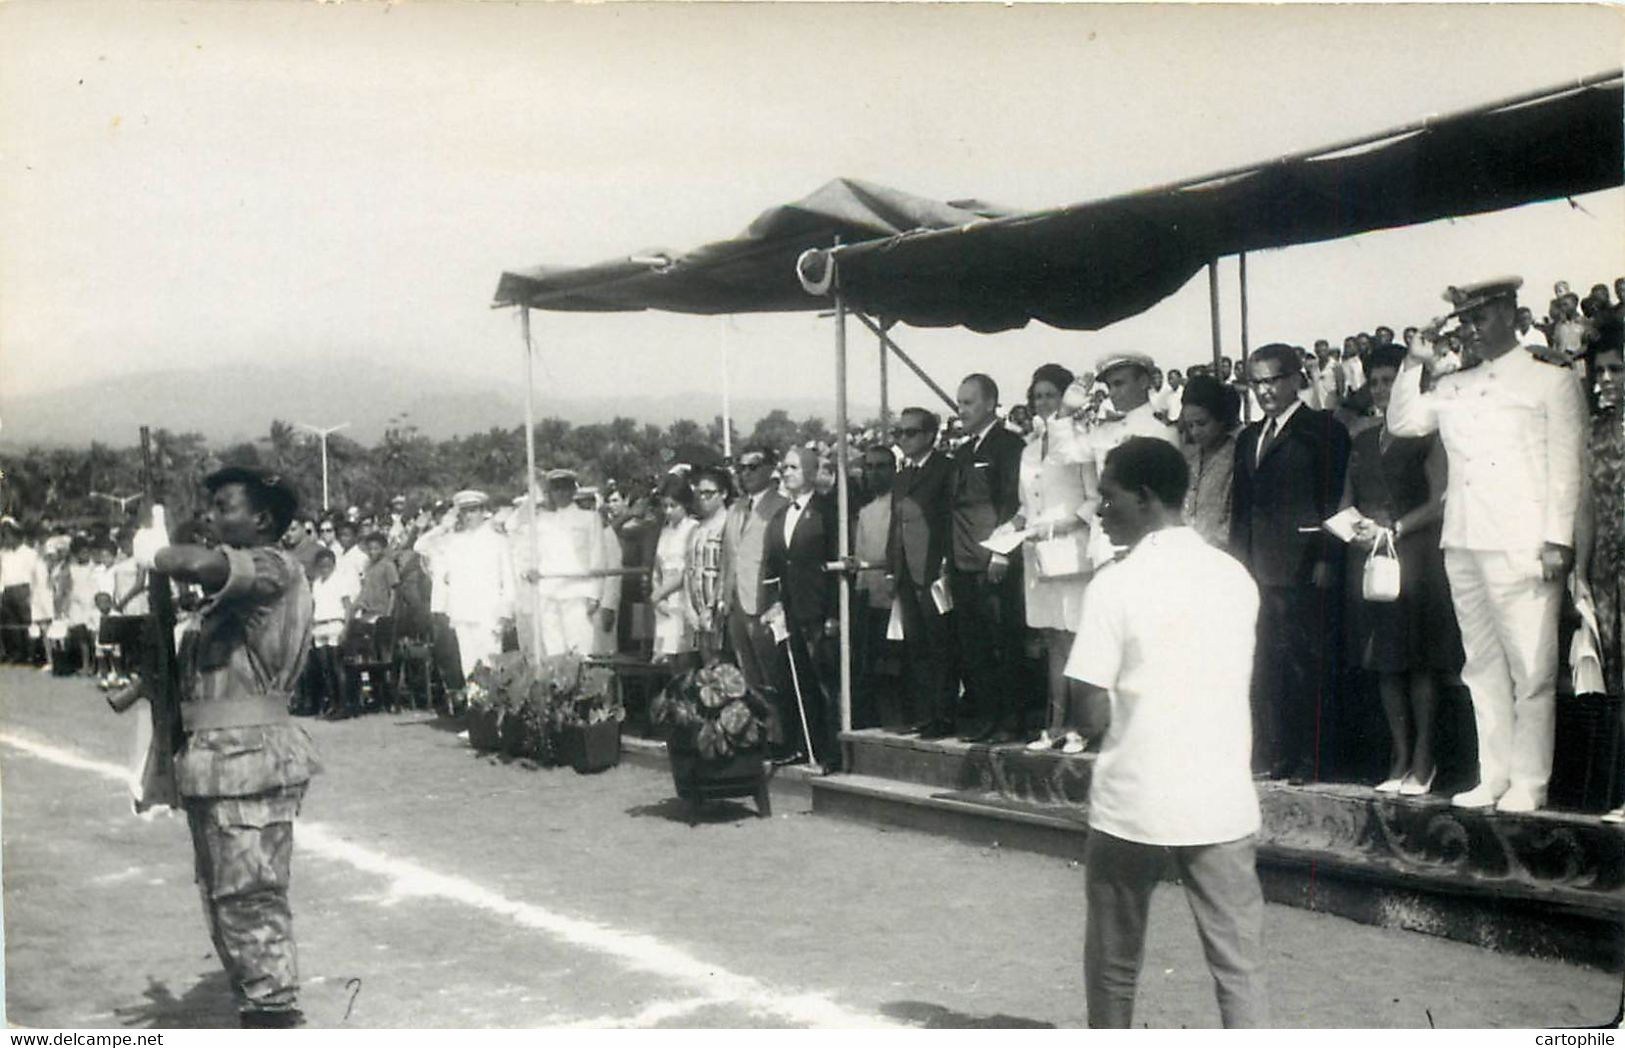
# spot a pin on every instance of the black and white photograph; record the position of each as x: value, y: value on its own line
x: 811, y: 515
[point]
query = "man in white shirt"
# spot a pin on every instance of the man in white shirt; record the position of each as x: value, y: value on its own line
x: 570, y: 577
x: 23, y: 582
x: 1512, y: 429
x: 1173, y: 778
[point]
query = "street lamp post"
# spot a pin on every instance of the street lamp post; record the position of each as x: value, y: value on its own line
x: 323, y: 433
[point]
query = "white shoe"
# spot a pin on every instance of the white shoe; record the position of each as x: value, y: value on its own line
x: 1391, y: 785
x: 1479, y: 796
x: 1414, y: 787
x: 1617, y: 815
x: 1074, y: 743
x: 1043, y: 742
x: 1518, y: 801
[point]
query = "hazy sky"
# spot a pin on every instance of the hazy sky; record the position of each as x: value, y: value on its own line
x: 205, y: 181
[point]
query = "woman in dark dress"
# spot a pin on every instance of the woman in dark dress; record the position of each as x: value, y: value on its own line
x: 1600, y: 525
x: 1397, y: 484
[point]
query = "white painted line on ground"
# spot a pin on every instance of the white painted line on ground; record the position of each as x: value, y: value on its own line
x: 634, y: 950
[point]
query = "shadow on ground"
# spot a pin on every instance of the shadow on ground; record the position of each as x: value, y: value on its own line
x: 675, y: 809
x: 935, y: 1017
x: 206, y: 1004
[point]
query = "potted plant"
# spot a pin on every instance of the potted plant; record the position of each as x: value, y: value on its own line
x: 717, y: 735
x: 493, y: 692
x: 585, y: 714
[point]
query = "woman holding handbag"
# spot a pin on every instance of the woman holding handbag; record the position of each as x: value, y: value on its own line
x: 1059, y: 488
x: 1397, y: 484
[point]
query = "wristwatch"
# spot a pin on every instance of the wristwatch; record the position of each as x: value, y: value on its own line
x: 1399, y: 528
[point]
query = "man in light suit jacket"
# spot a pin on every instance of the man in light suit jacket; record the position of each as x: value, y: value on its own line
x: 1512, y: 428
x: 916, y: 548
x: 744, y: 535
x: 1288, y: 479
x: 986, y: 487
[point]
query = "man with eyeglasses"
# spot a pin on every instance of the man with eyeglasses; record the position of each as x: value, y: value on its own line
x: 1288, y: 478
x: 917, y: 547
x: 744, y: 536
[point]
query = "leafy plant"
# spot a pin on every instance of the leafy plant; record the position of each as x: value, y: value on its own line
x: 560, y: 693
x: 712, y: 711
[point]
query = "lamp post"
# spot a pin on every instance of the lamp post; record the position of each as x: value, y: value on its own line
x: 323, y: 433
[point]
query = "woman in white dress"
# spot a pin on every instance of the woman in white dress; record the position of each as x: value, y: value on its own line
x: 674, y: 618
x: 1059, y: 489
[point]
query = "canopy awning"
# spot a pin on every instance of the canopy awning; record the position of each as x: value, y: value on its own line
x: 751, y: 273
x: 1088, y: 265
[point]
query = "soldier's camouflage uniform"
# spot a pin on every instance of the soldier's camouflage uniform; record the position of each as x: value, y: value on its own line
x: 243, y: 770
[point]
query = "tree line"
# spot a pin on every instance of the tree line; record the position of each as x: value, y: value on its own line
x: 86, y: 484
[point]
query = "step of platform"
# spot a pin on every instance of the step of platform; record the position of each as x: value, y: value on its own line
x: 1549, y: 884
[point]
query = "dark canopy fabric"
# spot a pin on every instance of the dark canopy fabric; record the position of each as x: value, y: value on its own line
x: 1089, y: 265
x: 752, y: 273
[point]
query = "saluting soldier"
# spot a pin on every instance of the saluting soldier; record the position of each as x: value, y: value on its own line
x: 1511, y: 425
x: 244, y: 766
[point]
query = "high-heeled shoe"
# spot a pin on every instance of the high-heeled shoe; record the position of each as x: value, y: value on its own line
x: 1414, y: 787
x: 1391, y: 785
x: 1617, y: 815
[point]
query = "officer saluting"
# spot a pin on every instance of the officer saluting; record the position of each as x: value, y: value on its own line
x: 1511, y: 426
x: 243, y: 769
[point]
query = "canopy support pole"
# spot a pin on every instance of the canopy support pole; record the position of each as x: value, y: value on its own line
x: 727, y: 416
x: 842, y: 502
x: 1246, y: 344
x: 533, y: 590
x: 885, y: 392
x: 1213, y: 309
x: 886, y: 340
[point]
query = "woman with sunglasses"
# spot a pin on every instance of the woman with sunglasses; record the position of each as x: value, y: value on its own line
x: 702, y: 573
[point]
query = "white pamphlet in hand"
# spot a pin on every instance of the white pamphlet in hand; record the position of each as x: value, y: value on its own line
x: 894, y: 625
x: 940, y: 595
x: 773, y: 619
x: 1005, y: 543
x: 1342, y: 524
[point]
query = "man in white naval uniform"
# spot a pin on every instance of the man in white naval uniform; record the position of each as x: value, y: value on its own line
x: 474, y: 569
x: 1127, y: 378
x: 573, y: 588
x: 1512, y: 427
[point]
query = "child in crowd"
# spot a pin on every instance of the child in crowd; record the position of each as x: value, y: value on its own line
x: 331, y: 593
x: 82, y: 616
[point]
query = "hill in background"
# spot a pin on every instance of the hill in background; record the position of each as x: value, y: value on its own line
x: 231, y: 404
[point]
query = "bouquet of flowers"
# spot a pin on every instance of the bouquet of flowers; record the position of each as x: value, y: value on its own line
x: 711, y: 711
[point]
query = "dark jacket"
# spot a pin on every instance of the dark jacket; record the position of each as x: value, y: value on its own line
x: 795, y: 573
x: 986, y: 492
x: 1279, y: 502
x: 921, y: 520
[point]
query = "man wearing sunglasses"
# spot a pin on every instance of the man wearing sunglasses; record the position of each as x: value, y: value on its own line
x: 1288, y: 478
x: 742, y: 601
x: 920, y: 533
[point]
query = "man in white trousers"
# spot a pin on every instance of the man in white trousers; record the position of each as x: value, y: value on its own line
x: 478, y: 579
x: 1511, y: 425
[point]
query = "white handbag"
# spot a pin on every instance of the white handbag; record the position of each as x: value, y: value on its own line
x: 1380, y: 582
x: 1061, y: 557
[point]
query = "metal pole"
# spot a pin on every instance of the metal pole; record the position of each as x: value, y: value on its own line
x: 1245, y: 344
x: 885, y: 392
x: 1213, y: 308
x: 727, y: 423
x: 886, y: 341
x: 532, y: 491
x: 842, y: 501
x: 324, y: 472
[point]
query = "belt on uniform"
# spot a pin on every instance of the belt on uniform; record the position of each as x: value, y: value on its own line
x: 243, y: 712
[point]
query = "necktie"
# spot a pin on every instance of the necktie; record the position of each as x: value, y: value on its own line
x: 1269, y: 437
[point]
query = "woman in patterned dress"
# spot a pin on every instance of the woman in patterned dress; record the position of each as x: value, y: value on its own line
x: 1600, y: 528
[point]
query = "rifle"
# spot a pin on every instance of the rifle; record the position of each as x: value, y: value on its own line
x: 160, y: 670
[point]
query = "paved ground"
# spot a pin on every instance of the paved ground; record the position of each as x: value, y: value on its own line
x: 436, y: 888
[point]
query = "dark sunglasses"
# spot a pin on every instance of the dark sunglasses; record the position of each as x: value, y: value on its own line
x: 907, y: 431
x: 753, y: 464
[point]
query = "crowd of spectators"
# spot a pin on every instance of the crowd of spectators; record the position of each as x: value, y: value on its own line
x: 974, y: 540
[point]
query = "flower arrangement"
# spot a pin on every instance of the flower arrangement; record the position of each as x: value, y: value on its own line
x: 524, y: 712
x: 712, y: 712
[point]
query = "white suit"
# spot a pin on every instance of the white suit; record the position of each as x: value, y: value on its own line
x: 571, y: 546
x: 1512, y: 429
x: 474, y: 572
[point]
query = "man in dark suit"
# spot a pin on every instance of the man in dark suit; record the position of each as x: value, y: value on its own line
x: 744, y: 535
x: 1288, y: 479
x: 801, y: 540
x: 986, y: 586
x: 921, y: 525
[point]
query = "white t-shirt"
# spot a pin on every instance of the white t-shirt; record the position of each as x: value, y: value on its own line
x: 328, y: 596
x: 1168, y: 631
